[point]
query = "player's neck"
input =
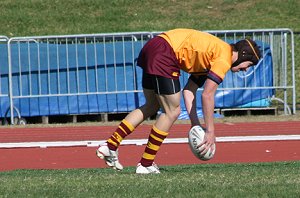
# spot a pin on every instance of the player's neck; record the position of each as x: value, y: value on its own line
x: 234, y: 57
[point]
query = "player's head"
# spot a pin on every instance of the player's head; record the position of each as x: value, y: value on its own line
x: 247, y: 50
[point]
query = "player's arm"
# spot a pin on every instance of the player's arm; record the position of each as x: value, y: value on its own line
x: 208, y: 106
x: 208, y: 103
x: 189, y: 95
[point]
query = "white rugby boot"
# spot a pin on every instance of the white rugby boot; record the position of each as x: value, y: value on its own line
x: 140, y: 169
x: 109, y: 156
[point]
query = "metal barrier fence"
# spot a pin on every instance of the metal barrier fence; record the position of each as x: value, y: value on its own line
x: 281, y: 42
x: 72, y: 68
x: 3, y: 66
x: 62, y: 70
x: 4, y: 92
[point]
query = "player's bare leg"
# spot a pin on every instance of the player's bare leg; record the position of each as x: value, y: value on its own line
x: 109, y: 150
x: 170, y: 105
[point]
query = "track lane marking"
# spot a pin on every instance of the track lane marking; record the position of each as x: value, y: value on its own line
x: 93, y: 143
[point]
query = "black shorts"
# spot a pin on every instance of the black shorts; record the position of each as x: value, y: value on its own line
x: 199, y: 80
x: 160, y: 85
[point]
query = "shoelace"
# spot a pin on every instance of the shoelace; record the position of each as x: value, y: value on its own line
x: 113, y: 157
x: 153, y: 169
x: 155, y: 165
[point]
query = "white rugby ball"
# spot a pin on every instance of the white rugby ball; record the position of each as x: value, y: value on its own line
x: 196, y: 137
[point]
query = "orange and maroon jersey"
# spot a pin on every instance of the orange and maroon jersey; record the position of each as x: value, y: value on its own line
x: 200, y: 53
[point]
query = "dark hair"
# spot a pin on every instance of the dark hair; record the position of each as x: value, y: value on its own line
x: 247, y: 50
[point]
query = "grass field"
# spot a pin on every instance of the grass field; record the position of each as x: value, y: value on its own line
x: 217, y: 180
x: 47, y: 17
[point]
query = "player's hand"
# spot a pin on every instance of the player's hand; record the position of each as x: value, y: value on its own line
x: 209, y: 140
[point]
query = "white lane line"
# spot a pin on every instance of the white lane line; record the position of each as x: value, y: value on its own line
x: 93, y: 143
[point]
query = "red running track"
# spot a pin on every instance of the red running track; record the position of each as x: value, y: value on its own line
x: 169, y: 154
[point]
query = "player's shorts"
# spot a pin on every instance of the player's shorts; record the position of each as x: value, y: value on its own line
x: 158, y: 58
x: 199, y: 80
x: 161, y: 85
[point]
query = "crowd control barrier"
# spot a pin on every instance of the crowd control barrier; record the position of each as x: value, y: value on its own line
x: 97, y: 73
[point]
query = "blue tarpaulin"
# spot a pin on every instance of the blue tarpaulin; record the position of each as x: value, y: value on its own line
x: 43, y: 70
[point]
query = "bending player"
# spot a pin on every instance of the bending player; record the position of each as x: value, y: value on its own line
x: 204, y: 56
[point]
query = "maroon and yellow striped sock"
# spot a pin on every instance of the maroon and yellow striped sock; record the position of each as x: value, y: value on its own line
x: 124, y: 129
x: 155, y: 140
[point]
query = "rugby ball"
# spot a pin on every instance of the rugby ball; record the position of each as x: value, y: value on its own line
x: 196, y: 137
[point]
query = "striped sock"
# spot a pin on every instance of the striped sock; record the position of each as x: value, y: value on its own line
x: 155, y: 139
x: 124, y: 129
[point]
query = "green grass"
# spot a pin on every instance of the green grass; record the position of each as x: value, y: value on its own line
x: 47, y: 17
x: 217, y: 180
